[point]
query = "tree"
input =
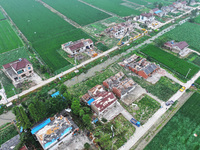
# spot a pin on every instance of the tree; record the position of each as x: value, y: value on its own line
x: 155, y: 4
x: 62, y: 89
x: 81, y: 112
x: 87, y: 146
x: 75, y: 106
x: 86, y: 119
x: 160, y: 5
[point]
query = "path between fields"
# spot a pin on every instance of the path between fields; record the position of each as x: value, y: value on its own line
x: 112, y: 14
x: 140, y: 131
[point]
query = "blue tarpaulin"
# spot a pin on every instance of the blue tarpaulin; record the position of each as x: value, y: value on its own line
x: 55, y: 94
x: 90, y: 101
x: 158, y: 11
x: 40, y: 126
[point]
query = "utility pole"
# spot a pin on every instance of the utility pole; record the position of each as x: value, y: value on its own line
x: 112, y: 135
x: 187, y: 73
x: 141, y: 115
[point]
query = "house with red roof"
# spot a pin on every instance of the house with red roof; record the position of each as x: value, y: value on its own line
x: 103, y: 102
x: 176, y: 47
x: 76, y: 47
x: 18, y: 70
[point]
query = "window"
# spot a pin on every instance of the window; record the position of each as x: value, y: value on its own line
x: 23, y: 75
x: 30, y: 71
x: 29, y: 68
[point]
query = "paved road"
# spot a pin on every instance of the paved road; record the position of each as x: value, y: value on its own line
x: 143, y: 129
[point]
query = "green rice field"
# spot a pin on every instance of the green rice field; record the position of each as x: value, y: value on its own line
x: 43, y: 28
x: 77, y: 11
x: 188, y: 32
x: 178, y: 133
x: 174, y: 63
x: 115, y: 6
x: 1, y: 16
x: 8, y: 37
x: 197, y: 19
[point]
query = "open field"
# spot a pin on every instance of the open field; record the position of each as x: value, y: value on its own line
x: 197, y: 19
x: 179, y: 132
x: 146, y: 105
x: 115, y: 6
x: 188, y: 32
x: 77, y: 11
x: 8, y: 38
x: 13, y: 55
x: 1, y: 15
x: 123, y: 130
x: 44, y: 29
x: 174, y: 63
x: 7, y: 133
x: 194, y: 58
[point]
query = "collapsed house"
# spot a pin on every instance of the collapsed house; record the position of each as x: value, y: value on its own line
x: 119, y: 30
x: 53, y: 131
x: 119, y: 84
x: 146, y: 18
x: 77, y: 47
x: 18, y: 70
x: 176, y: 47
x: 140, y: 66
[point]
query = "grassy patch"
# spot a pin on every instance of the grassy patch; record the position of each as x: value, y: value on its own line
x: 170, y: 61
x: 77, y: 11
x: 194, y: 58
x: 7, y: 133
x: 163, y: 89
x: 179, y: 132
x: 123, y: 130
x: 146, y: 105
x: 8, y: 38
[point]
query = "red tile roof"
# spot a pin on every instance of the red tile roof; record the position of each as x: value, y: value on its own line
x: 181, y: 45
x: 104, y: 100
x: 17, y: 64
x: 76, y: 46
x: 146, y: 15
x: 23, y: 148
x: 155, y: 9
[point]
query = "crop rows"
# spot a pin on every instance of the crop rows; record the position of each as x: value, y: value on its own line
x: 178, y: 133
x: 176, y: 64
x: 77, y: 11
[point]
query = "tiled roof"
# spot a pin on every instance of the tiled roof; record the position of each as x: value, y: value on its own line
x: 104, y: 100
x: 181, y: 45
x: 76, y: 46
x: 148, y: 15
x: 18, y: 64
x: 155, y: 9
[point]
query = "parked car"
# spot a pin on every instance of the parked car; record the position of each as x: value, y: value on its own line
x: 169, y: 103
x: 182, y: 89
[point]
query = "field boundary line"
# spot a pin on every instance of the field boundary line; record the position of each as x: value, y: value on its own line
x: 112, y: 14
x: 73, y: 23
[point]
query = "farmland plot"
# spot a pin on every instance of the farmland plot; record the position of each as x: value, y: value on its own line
x: 178, y: 133
x: 8, y: 37
x: 77, y: 11
x: 174, y: 63
x: 197, y: 19
x: 188, y: 32
x: 44, y: 29
x: 118, y: 7
x: 1, y: 16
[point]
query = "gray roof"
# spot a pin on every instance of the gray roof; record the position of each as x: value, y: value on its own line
x: 149, y: 69
x: 10, y: 144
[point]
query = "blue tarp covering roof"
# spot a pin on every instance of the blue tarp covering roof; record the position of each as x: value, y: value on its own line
x: 157, y: 12
x: 21, y: 129
x: 55, y: 94
x: 90, y: 101
x: 40, y: 126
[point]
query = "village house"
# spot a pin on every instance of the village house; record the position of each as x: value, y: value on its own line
x: 180, y: 5
x: 146, y: 17
x: 176, y: 47
x: 157, y: 12
x: 18, y: 70
x: 119, y: 84
x: 119, y: 30
x: 140, y: 66
x: 77, y: 47
x: 104, y: 101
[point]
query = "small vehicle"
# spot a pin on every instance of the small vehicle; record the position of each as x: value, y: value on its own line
x: 182, y: 89
x: 135, y: 122
x: 169, y: 103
